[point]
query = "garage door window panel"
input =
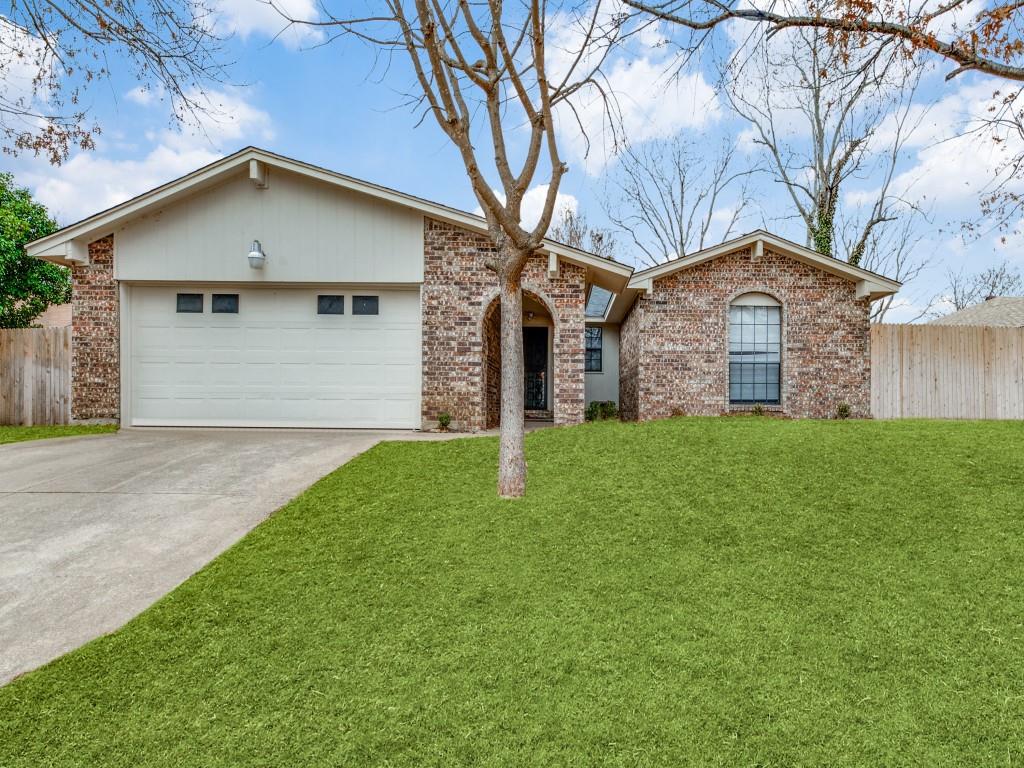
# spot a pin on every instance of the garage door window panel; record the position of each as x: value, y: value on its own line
x: 330, y: 305
x: 365, y: 305
x: 190, y: 303
x: 224, y: 304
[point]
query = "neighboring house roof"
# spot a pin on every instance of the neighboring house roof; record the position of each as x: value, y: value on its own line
x: 69, y: 245
x: 999, y: 310
x: 55, y: 316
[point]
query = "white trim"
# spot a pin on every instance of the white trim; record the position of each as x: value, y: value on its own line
x: 105, y: 222
x: 69, y: 253
x: 869, y: 285
x: 755, y: 299
x: 124, y: 296
x: 258, y: 174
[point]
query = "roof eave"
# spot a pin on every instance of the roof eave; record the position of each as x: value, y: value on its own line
x: 605, y: 272
x: 869, y: 284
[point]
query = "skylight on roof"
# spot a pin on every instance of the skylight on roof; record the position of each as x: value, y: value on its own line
x: 598, y: 301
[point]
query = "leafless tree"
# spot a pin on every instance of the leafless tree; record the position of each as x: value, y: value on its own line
x: 965, y: 290
x: 572, y: 228
x: 891, y: 250
x: 671, y: 195
x: 820, y: 114
x: 53, y: 51
x: 983, y: 38
x: 480, y: 65
x: 986, y: 39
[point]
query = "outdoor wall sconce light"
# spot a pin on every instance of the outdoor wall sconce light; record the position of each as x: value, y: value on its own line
x: 257, y: 258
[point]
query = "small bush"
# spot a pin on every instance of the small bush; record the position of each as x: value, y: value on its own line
x: 757, y: 410
x: 444, y: 420
x: 600, y: 409
x: 677, y: 411
x: 843, y: 411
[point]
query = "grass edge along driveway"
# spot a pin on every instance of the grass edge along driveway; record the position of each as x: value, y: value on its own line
x: 685, y: 592
x: 10, y: 434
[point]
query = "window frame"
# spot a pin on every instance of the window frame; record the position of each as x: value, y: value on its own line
x: 177, y: 304
x: 588, y: 350
x: 764, y: 348
x: 319, y: 306
x: 356, y: 301
x: 213, y: 303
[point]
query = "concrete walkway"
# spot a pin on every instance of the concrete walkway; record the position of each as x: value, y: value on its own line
x: 93, y: 530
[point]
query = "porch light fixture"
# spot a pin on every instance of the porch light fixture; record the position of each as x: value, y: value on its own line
x: 257, y: 258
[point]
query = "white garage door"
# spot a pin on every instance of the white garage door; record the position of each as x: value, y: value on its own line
x: 282, y: 359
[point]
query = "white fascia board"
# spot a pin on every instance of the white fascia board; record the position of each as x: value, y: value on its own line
x: 67, y: 253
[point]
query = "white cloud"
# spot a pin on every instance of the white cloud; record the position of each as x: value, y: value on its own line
x: 533, y: 204
x: 23, y: 56
x: 92, y: 181
x: 957, y: 158
x: 224, y: 119
x: 145, y: 95
x: 27, y: 70
x: 261, y: 17
x: 648, y: 104
x: 647, y: 97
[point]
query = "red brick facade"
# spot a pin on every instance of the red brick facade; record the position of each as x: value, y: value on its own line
x: 457, y: 292
x: 674, y: 350
x: 95, y: 337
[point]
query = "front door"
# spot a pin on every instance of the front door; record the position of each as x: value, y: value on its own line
x: 535, y: 363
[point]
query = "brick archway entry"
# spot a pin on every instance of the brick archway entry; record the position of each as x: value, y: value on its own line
x: 539, y: 329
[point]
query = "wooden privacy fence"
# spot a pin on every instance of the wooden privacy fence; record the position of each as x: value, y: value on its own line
x: 947, y: 372
x: 35, y: 376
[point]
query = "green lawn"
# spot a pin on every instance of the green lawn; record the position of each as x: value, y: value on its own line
x: 18, y: 434
x: 734, y: 592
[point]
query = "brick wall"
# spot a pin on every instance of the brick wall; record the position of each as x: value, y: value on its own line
x: 629, y: 364
x: 457, y: 291
x: 678, y: 336
x: 95, y: 337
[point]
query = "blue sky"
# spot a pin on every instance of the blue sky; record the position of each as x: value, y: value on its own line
x: 332, y: 106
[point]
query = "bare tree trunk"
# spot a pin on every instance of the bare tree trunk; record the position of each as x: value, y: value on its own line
x: 511, y: 456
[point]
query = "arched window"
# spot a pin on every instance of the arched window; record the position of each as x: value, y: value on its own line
x: 755, y: 349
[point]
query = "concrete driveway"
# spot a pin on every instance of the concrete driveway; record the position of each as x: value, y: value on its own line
x: 95, y: 529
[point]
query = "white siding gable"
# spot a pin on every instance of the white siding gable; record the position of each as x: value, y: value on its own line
x: 312, y: 232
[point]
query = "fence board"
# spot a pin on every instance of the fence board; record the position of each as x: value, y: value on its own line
x: 947, y: 372
x: 35, y: 376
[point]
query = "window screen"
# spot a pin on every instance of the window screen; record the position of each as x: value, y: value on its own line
x: 190, y: 302
x: 365, y: 305
x: 593, y: 349
x: 754, y: 354
x: 330, y: 305
x: 224, y: 303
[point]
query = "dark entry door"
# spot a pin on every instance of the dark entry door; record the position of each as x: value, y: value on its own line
x: 535, y: 364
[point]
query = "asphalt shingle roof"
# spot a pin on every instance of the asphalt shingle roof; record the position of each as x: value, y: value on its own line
x: 999, y: 310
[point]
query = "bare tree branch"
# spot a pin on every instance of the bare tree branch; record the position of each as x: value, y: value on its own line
x: 824, y: 117
x: 990, y: 43
x: 667, y: 196
x: 53, y: 51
